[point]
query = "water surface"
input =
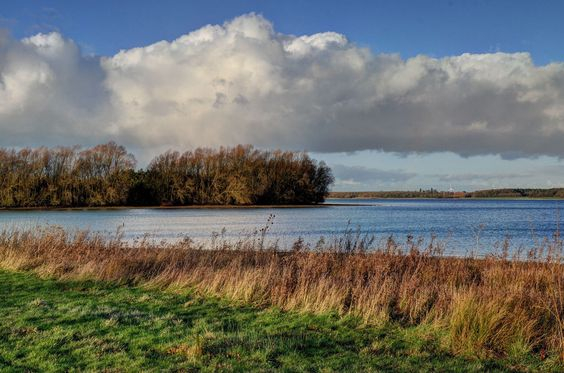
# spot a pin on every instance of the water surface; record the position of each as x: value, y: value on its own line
x: 465, y: 225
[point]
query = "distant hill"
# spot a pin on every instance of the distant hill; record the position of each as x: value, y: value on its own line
x: 432, y: 193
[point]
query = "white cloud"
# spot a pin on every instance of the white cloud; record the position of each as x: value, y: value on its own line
x: 49, y: 92
x: 243, y: 82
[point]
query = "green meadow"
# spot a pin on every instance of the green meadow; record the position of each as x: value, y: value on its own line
x: 62, y: 325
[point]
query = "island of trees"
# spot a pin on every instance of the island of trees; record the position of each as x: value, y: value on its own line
x: 105, y: 175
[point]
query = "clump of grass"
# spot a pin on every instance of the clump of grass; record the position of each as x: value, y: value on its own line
x: 483, y: 328
x: 192, y: 351
x: 492, y: 306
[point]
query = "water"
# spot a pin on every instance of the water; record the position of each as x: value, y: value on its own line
x: 465, y: 225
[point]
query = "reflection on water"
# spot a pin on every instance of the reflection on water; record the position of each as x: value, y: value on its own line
x: 466, y: 225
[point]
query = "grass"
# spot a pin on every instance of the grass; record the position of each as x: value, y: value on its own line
x: 61, y: 325
x: 498, y: 308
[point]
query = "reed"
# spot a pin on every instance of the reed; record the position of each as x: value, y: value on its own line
x: 500, y: 305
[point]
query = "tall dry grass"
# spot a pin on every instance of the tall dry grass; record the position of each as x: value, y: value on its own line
x: 493, y: 306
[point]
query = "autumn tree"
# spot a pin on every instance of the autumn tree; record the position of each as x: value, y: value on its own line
x: 104, y: 175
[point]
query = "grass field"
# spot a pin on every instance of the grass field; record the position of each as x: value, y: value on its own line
x: 54, y: 325
x: 383, y: 306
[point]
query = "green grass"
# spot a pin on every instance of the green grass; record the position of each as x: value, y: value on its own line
x: 49, y: 325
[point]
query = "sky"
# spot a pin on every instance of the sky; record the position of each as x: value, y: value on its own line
x: 393, y: 95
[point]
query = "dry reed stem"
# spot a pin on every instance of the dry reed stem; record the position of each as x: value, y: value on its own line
x: 490, y: 306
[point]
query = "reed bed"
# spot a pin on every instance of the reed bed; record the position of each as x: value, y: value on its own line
x: 500, y: 305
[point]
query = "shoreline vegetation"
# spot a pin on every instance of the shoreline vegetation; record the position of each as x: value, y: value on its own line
x: 105, y: 176
x: 503, y: 193
x: 505, y: 306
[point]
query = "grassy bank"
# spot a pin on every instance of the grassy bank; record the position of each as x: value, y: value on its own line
x: 55, y: 325
x: 500, y: 307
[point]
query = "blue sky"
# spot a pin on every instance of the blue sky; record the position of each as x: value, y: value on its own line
x: 440, y: 31
x: 437, y: 28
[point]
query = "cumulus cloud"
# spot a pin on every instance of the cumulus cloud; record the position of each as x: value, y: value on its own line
x: 49, y: 92
x: 242, y: 82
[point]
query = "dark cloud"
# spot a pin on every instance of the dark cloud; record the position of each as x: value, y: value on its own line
x: 482, y: 178
x: 362, y: 174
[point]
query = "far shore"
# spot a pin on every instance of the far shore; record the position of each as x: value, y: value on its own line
x: 448, y: 198
x: 502, y: 194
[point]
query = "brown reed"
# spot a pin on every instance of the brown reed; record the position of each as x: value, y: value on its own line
x: 490, y: 306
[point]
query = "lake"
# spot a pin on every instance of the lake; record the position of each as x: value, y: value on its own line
x: 464, y: 225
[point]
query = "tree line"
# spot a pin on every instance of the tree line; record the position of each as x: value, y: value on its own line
x: 519, y: 192
x: 434, y: 193
x: 105, y: 175
x: 431, y: 193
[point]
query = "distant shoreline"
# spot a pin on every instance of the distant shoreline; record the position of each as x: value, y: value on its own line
x: 501, y: 194
x: 451, y: 198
